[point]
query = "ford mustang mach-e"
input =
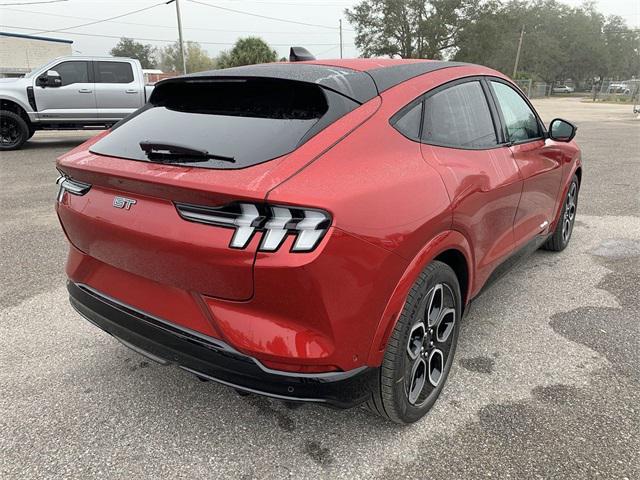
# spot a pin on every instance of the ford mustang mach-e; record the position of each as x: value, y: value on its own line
x: 313, y: 231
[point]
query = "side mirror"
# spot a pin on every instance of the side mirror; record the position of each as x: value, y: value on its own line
x: 51, y: 79
x: 561, y: 130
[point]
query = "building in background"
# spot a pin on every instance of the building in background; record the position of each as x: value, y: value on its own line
x: 19, y: 53
x: 152, y: 76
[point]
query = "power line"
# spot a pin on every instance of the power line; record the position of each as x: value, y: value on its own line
x: 165, y: 40
x: 170, y: 26
x: 32, y: 3
x: 251, y: 14
x: 104, y: 19
x: 327, y: 50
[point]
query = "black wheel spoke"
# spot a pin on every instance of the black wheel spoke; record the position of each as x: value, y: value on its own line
x: 435, y: 366
x: 418, y: 380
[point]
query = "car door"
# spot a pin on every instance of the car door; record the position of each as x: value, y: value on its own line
x: 461, y: 136
x: 539, y: 162
x: 118, y: 92
x: 74, y: 100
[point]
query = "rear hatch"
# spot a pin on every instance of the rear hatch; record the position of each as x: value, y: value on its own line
x: 205, y: 142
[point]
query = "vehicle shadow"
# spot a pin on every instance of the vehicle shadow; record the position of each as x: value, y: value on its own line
x: 42, y: 143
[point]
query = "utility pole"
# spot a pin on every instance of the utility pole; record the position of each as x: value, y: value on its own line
x: 340, y: 38
x: 515, y: 67
x: 182, y: 51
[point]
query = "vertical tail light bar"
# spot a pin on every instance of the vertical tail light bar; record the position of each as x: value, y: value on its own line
x: 275, y: 222
x: 72, y: 186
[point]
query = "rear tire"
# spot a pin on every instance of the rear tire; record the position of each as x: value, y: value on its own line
x: 562, y: 234
x: 421, y: 347
x: 14, y: 131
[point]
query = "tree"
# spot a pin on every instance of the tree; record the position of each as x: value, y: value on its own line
x: 622, y: 46
x: 127, y: 47
x: 247, y: 51
x: 197, y: 58
x: 410, y: 28
x: 560, y: 42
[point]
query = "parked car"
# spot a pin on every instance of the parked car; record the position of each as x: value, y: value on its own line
x: 563, y: 89
x: 622, y: 88
x: 314, y: 231
x: 70, y: 93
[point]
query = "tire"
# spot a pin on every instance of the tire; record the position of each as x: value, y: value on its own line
x: 32, y: 132
x: 14, y: 131
x: 413, y: 347
x: 561, y: 236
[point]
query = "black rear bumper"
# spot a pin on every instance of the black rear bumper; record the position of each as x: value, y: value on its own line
x: 213, y: 359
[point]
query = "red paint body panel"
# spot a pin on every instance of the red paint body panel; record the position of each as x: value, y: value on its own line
x: 540, y: 165
x: 320, y: 308
x: 484, y: 187
x: 395, y: 205
x: 164, y: 301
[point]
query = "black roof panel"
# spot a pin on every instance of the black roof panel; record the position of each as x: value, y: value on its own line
x: 351, y: 83
x: 360, y: 86
x: 387, y: 77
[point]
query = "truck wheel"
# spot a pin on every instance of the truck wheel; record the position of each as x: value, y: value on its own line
x: 32, y: 132
x: 14, y: 131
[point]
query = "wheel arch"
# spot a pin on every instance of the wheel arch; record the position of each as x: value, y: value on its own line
x: 15, y: 107
x: 450, y: 247
x: 458, y: 263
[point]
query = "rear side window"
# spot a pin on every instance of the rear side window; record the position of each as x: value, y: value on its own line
x: 521, y: 122
x: 114, y: 72
x: 408, y: 121
x: 73, y: 72
x: 245, y: 121
x: 459, y: 116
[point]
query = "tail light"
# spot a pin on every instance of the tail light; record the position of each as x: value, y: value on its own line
x: 275, y: 222
x: 72, y: 186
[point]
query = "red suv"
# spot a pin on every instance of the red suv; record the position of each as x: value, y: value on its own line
x: 313, y: 231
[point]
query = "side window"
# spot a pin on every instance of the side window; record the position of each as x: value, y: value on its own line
x: 520, y: 120
x: 459, y: 116
x: 73, y: 72
x: 408, y: 123
x: 114, y: 72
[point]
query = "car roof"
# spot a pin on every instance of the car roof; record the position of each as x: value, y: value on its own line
x: 359, y: 79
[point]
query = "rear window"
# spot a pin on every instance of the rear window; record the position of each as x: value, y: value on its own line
x: 248, y: 120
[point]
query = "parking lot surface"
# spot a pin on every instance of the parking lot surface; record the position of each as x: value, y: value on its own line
x: 546, y: 382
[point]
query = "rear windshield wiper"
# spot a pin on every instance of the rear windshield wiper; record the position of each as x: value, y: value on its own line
x: 174, y: 153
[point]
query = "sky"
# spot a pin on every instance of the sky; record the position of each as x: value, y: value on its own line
x: 215, y: 28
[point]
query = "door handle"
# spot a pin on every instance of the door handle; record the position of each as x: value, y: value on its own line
x: 131, y: 91
x: 85, y: 90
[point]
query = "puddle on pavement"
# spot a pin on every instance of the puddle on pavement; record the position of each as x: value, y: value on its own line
x: 618, y: 248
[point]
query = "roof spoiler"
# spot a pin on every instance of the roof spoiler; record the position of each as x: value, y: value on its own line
x: 300, y: 54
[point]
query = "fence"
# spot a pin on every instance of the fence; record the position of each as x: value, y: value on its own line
x: 623, y: 90
x: 534, y: 89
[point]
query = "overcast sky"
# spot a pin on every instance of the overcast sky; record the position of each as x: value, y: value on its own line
x: 214, y: 28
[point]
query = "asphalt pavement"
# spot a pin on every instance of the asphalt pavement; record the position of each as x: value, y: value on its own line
x: 546, y: 382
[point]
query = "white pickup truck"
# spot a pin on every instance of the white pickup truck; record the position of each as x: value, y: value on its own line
x: 70, y: 93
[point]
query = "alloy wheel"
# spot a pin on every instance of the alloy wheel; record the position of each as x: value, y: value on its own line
x: 9, y: 132
x: 429, y: 343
